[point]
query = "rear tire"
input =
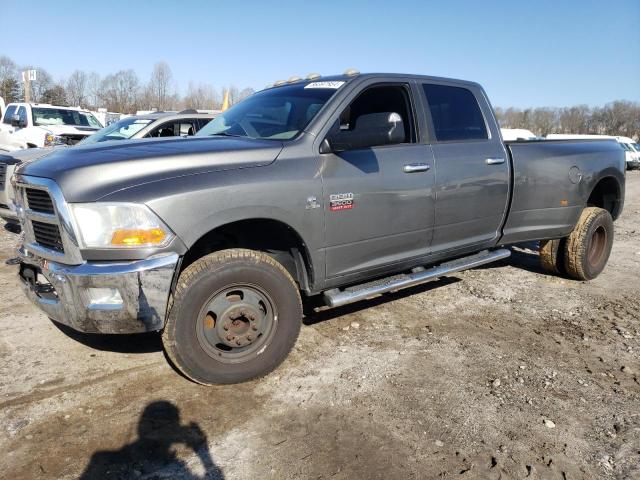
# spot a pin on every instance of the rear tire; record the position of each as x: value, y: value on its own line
x: 589, y: 245
x: 235, y: 315
x: 552, y: 255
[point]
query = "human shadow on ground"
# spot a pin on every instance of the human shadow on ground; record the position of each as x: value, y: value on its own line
x: 159, y: 430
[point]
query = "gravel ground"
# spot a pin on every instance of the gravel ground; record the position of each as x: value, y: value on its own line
x: 498, y: 372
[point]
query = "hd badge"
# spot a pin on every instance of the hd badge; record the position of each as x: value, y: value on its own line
x: 340, y: 201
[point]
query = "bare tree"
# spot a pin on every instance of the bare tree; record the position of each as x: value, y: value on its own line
x: 42, y: 83
x: 245, y: 92
x: 201, y: 97
x: 9, y: 85
x: 119, y: 92
x: 94, y: 98
x: 161, y: 86
x: 76, y: 88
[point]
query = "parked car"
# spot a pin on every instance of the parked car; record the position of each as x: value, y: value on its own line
x: 33, y: 125
x: 142, y: 126
x: 336, y: 189
x: 151, y: 125
x: 632, y: 154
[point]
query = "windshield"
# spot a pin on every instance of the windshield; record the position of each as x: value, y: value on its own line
x: 61, y: 116
x: 279, y: 113
x: 122, y: 130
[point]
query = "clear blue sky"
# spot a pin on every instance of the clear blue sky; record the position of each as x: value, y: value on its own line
x: 534, y: 53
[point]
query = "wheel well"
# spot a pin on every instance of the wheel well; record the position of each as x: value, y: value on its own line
x: 606, y: 194
x: 273, y: 237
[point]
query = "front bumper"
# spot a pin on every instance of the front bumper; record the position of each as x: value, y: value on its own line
x: 64, y: 292
x: 633, y: 164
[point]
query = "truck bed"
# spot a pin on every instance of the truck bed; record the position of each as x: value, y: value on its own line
x: 552, y: 181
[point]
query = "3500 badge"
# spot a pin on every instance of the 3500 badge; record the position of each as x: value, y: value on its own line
x: 340, y: 201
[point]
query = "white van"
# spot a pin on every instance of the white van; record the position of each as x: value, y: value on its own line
x: 514, y: 134
x: 631, y: 152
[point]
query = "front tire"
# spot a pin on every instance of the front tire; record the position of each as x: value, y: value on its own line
x: 589, y: 245
x: 235, y: 315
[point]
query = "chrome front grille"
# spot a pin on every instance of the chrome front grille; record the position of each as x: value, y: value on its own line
x: 47, y: 235
x: 39, y: 201
x: 46, y: 220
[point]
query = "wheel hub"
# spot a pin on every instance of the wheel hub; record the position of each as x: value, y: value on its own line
x: 239, y: 325
x: 236, y: 322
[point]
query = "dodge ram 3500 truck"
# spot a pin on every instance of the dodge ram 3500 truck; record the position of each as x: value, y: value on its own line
x: 338, y: 188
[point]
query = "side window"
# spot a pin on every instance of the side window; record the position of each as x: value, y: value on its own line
x: 455, y: 113
x: 380, y: 115
x: 8, y: 113
x: 176, y: 128
x: 22, y: 113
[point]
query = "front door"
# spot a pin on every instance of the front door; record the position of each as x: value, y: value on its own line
x: 378, y: 199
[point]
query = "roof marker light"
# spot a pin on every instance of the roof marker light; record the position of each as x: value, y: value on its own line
x: 313, y: 76
x: 294, y: 79
x: 277, y: 83
x: 351, y: 72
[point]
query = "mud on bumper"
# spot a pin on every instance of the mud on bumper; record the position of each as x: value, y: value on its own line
x: 127, y: 297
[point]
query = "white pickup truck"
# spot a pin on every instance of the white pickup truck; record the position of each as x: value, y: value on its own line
x: 32, y: 125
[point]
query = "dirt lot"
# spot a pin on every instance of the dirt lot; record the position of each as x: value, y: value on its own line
x: 500, y: 372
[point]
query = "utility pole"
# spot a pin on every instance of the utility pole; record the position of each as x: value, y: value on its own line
x: 27, y: 77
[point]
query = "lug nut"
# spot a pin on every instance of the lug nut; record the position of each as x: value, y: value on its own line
x: 238, y: 342
x: 249, y: 337
x: 254, y: 327
x: 229, y: 337
x: 226, y: 326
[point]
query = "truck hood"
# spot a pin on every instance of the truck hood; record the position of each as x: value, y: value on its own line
x: 87, y: 173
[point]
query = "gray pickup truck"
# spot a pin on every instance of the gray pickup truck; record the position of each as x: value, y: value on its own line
x: 338, y: 188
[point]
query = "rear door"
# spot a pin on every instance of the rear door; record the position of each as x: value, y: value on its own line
x: 471, y: 164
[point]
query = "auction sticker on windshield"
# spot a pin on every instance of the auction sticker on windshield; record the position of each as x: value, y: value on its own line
x: 335, y: 85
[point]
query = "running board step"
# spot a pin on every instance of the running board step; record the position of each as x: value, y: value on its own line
x: 337, y: 298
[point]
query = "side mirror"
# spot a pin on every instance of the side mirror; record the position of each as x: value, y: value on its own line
x: 15, y: 121
x: 371, y: 130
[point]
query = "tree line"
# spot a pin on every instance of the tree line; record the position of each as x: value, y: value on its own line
x: 616, y: 118
x: 121, y: 92
x: 124, y: 92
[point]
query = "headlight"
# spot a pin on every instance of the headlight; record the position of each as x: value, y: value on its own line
x: 51, y: 140
x: 119, y: 225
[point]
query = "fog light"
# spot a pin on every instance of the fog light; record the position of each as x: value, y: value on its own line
x: 104, y: 297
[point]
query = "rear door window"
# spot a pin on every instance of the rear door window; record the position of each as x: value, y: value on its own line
x: 455, y: 113
x: 22, y: 113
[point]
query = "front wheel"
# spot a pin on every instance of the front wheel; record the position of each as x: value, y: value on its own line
x: 235, y: 315
x: 589, y: 245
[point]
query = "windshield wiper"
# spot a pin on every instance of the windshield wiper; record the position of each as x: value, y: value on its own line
x: 226, y: 134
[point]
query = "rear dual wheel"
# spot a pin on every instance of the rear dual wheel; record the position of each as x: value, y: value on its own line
x: 235, y: 315
x: 585, y: 252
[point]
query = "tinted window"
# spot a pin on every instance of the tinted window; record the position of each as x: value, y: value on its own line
x: 9, y: 112
x: 22, y: 113
x: 455, y: 113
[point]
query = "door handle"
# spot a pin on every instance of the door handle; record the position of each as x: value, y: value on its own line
x: 416, y: 167
x: 494, y: 161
